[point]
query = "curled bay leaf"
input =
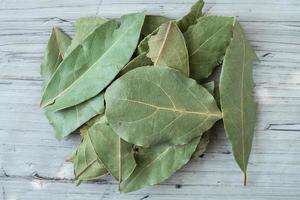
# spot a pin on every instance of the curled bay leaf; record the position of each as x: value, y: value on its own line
x: 191, y: 17
x: 68, y: 120
x: 157, y: 163
x: 114, y: 153
x: 237, y: 102
x: 168, y: 48
x: 152, y: 22
x: 151, y: 105
x: 207, y: 42
x: 91, y: 66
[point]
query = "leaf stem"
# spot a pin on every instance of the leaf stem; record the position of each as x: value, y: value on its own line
x: 245, y: 178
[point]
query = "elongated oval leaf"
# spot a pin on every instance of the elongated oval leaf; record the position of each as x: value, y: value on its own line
x: 237, y: 103
x: 151, y: 105
x: 54, y: 53
x: 84, y: 26
x: 152, y: 22
x: 68, y: 120
x: 168, y: 48
x: 87, y: 166
x: 157, y: 163
x: 139, y: 61
x: 207, y: 42
x: 191, y: 17
x: 90, y: 67
x: 114, y: 153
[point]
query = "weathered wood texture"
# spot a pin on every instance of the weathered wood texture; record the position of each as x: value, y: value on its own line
x: 32, y: 161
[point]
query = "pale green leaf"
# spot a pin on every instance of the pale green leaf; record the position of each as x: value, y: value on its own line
x: 68, y: 120
x: 87, y: 166
x: 157, y: 163
x: 54, y: 53
x: 168, y: 48
x: 191, y: 17
x: 114, y: 153
x: 139, y: 61
x: 151, y: 105
x: 84, y: 26
x: 152, y: 22
x: 237, y: 102
x: 207, y: 42
x: 91, y: 66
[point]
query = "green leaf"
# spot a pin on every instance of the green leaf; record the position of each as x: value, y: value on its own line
x: 91, y: 66
x: 84, y: 26
x: 68, y: 120
x: 152, y: 22
x: 151, y: 105
x: 87, y: 166
x: 157, y: 163
x: 237, y: 102
x: 207, y: 42
x: 54, y: 53
x: 114, y: 153
x: 202, y: 145
x: 183, y: 24
x: 139, y: 61
x: 168, y: 48
x: 191, y: 17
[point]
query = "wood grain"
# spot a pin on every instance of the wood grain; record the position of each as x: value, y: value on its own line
x: 32, y: 160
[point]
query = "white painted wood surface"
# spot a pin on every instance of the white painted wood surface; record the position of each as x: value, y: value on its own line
x: 32, y: 161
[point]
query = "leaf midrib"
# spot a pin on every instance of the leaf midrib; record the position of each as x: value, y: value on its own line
x: 173, y: 109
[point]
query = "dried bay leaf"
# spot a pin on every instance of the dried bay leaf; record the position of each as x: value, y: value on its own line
x: 57, y: 45
x: 157, y: 163
x: 151, y: 105
x: 237, y: 102
x: 207, y: 42
x: 168, y: 48
x: 183, y: 24
x: 87, y: 166
x: 139, y: 61
x: 91, y: 66
x: 152, y: 22
x: 116, y: 154
x: 84, y: 26
x: 191, y: 17
x: 68, y: 120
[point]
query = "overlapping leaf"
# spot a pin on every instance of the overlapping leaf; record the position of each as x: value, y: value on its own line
x: 84, y: 26
x: 152, y: 22
x: 91, y: 66
x: 67, y: 120
x: 139, y: 61
x: 87, y: 166
x: 168, y: 48
x: 114, y: 153
x: 207, y: 42
x: 157, y: 163
x: 192, y: 16
x: 237, y: 102
x: 151, y: 105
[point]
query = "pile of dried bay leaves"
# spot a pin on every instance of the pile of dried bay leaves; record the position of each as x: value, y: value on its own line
x: 142, y: 95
